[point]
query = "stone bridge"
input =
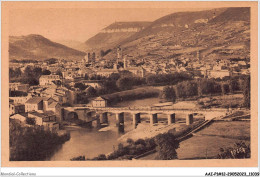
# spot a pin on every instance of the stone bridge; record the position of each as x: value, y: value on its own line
x: 100, y: 115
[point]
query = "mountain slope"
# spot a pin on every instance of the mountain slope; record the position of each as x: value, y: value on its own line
x: 114, y: 34
x: 81, y: 46
x: 216, y: 33
x: 37, y: 47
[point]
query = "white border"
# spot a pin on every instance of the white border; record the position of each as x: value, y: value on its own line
x: 126, y: 171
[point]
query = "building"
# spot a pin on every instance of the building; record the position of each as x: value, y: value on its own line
x: 106, y: 72
x: 13, y: 86
x: 42, y: 117
x: 99, y: 102
x: 47, y: 120
x: 16, y: 108
x: 93, y: 83
x: 34, y: 104
x: 17, y: 86
x: 19, y: 117
x: 20, y: 99
x: 138, y: 71
x: 218, y: 73
x: 48, y: 79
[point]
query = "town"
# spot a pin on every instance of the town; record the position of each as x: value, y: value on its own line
x: 174, y: 88
x: 62, y: 81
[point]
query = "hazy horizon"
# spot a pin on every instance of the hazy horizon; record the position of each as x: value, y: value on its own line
x: 78, y: 24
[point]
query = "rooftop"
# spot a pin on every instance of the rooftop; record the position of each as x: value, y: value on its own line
x: 42, y: 115
x: 34, y: 100
x: 99, y: 99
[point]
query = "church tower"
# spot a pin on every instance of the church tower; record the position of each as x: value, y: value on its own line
x: 125, y: 61
x: 119, y: 54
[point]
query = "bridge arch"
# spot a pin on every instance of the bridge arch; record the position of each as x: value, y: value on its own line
x: 72, y: 116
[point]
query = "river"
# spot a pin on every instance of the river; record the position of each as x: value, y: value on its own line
x: 92, y: 142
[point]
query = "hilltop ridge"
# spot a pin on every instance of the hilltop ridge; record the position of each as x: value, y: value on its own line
x: 112, y: 35
x: 216, y: 33
x: 37, y: 47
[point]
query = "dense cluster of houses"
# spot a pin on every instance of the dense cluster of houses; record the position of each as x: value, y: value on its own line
x: 45, y: 110
x: 43, y: 102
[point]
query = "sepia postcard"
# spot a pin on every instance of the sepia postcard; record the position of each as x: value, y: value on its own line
x: 129, y: 84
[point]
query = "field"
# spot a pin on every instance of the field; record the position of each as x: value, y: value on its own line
x: 223, y: 101
x: 206, y: 143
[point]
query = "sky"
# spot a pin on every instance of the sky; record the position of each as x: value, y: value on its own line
x: 80, y: 24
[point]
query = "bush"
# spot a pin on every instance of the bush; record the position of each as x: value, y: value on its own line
x: 79, y: 158
x: 169, y: 94
x: 130, y: 141
x: 140, y: 141
x: 240, y: 150
x: 102, y: 157
x: 187, y: 89
x: 166, y: 146
x: 32, y: 143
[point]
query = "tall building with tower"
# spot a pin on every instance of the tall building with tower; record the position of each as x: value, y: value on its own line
x: 89, y: 58
x: 198, y: 55
x: 119, y: 54
x: 125, y: 61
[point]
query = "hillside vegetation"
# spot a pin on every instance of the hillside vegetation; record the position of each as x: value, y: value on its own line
x: 217, y: 33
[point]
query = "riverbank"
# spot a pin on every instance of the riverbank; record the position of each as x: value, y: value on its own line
x: 145, y: 130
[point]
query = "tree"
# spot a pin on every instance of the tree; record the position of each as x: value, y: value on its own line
x: 32, y: 143
x: 58, y: 72
x: 130, y: 141
x: 86, y: 77
x: 114, y: 76
x: 102, y: 53
x: 11, y: 73
x: 246, y: 92
x: 107, y: 86
x: 17, y: 72
x: 37, y: 72
x: 224, y: 88
x: 233, y: 85
x: 30, y: 121
x: 199, y: 88
x: 80, y: 85
x: 46, y: 72
x: 125, y: 83
x: 28, y: 71
x: 169, y: 94
x: 91, y: 92
x: 51, y: 61
x: 187, y: 89
x: 102, y: 157
x: 166, y: 146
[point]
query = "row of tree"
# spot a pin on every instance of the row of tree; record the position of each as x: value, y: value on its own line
x: 125, y: 80
x: 201, y: 87
x: 30, y: 75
